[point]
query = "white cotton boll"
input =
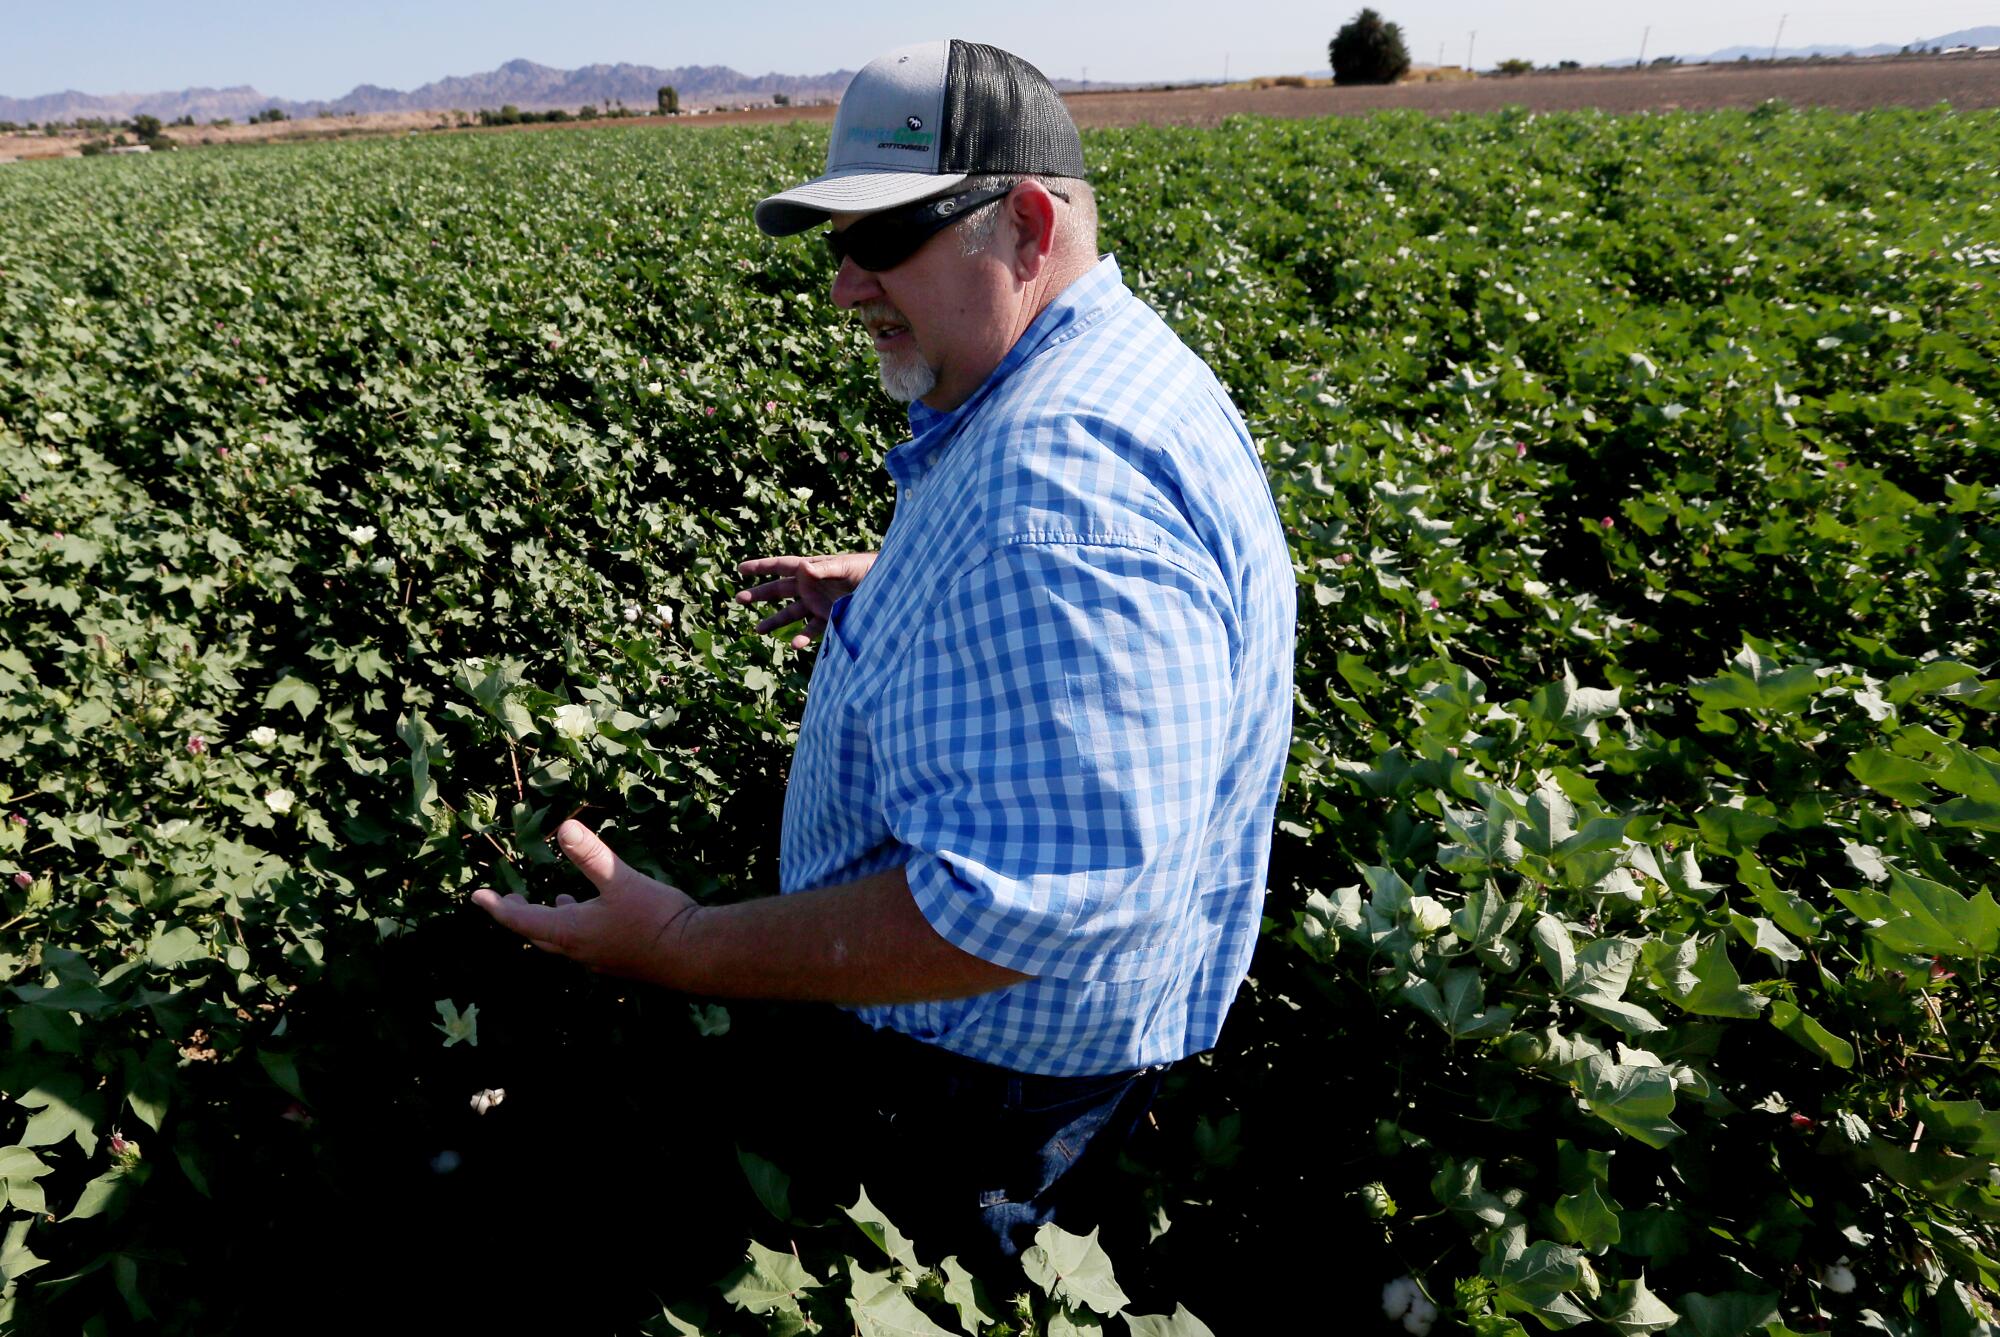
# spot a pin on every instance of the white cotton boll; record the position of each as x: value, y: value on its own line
x: 483, y: 1101
x: 664, y: 613
x: 631, y: 612
x: 1399, y: 1296
x: 1839, y: 1278
x: 1422, y: 1314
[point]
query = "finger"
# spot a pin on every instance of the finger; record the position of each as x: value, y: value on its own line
x: 785, y: 587
x: 591, y: 856
x: 784, y: 618
x: 565, y: 899
x: 760, y: 566
x: 542, y: 923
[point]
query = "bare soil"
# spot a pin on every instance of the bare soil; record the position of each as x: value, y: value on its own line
x: 1966, y: 82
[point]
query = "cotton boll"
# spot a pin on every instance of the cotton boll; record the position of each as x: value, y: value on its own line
x: 1399, y: 1296
x: 1838, y: 1278
x: 1422, y: 1314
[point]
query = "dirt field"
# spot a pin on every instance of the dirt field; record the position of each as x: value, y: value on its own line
x: 1966, y: 82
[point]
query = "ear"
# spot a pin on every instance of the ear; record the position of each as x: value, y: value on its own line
x: 1032, y: 212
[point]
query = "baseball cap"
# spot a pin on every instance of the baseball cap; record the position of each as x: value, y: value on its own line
x: 919, y: 120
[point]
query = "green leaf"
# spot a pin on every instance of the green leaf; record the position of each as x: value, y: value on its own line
x: 768, y: 1281
x: 297, y: 693
x: 19, y: 1169
x: 1072, y: 1269
x: 966, y: 1294
x: 1935, y: 676
x: 16, y: 1260
x: 99, y: 1195
x: 1634, y: 1310
x: 1538, y: 1279
x: 880, y: 1232
x: 63, y: 1109
x: 1754, y: 682
x: 1069, y: 1321
x: 1965, y: 1124
x: 1934, y: 920
x: 1811, y: 1035
x: 881, y: 1307
x: 283, y: 1070
x: 1899, y: 777
x: 1731, y: 1314
x: 1180, y: 1324
x: 1717, y: 990
x: 772, y: 1186
x: 1763, y: 936
x: 1635, y: 1098
x: 174, y: 946
x: 1587, y: 1219
x: 1598, y: 981
x: 1458, y: 1005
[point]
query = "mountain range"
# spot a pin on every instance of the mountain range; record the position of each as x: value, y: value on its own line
x: 522, y: 83
x: 1986, y: 36
x: 534, y: 87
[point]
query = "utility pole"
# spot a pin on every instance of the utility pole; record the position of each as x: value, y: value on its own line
x: 1225, y: 67
x: 1469, y: 39
x: 1644, y: 38
x: 1780, y: 37
x: 1440, y: 55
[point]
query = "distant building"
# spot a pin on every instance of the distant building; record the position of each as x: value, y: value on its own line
x: 129, y: 148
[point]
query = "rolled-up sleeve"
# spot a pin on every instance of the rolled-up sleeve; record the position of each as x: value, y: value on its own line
x: 1049, y: 751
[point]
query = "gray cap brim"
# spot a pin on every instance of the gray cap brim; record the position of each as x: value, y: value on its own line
x: 802, y: 207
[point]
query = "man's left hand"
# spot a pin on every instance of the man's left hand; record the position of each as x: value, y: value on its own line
x: 633, y: 927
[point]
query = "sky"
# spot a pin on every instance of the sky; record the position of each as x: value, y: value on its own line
x: 302, y: 51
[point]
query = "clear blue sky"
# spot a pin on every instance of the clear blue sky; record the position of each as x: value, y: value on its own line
x: 320, y: 50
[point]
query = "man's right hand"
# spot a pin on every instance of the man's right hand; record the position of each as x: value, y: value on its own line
x: 807, y: 586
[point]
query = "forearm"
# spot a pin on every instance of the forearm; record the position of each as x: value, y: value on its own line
x: 861, y: 942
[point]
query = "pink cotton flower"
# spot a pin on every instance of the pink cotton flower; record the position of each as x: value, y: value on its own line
x: 1606, y: 522
x: 770, y: 406
x: 708, y: 412
x: 1433, y: 603
x: 23, y: 881
x: 197, y: 745
x: 843, y: 457
x: 1520, y: 449
x: 1840, y: 464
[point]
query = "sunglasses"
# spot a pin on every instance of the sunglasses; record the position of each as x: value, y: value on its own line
x: 886, y: 239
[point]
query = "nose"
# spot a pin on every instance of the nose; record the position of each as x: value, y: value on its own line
x: 853, y: 285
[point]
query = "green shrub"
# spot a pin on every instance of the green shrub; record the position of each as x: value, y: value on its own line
x: 1368, y: 50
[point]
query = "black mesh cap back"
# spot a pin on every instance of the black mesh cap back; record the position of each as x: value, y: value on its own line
x: 1002, y: 116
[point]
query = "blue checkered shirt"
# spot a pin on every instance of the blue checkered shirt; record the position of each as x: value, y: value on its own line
x: 1061, y: 700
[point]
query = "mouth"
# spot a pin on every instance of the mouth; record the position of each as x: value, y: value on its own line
x: 887, y: 333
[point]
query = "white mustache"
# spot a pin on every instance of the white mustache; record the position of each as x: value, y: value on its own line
x: 880, y: 313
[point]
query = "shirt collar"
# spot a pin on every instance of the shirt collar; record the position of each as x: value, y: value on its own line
x: 1074, y: 310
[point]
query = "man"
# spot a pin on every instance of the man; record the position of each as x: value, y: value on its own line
x: 1029, y: 817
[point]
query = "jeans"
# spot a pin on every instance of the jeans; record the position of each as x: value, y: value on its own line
x: 963, y: 1157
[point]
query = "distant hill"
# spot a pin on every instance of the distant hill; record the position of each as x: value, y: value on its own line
x: 520, y: 82
x: 1987, y: 36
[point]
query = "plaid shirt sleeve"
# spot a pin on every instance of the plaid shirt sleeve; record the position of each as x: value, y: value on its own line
x: 1049, y: 754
